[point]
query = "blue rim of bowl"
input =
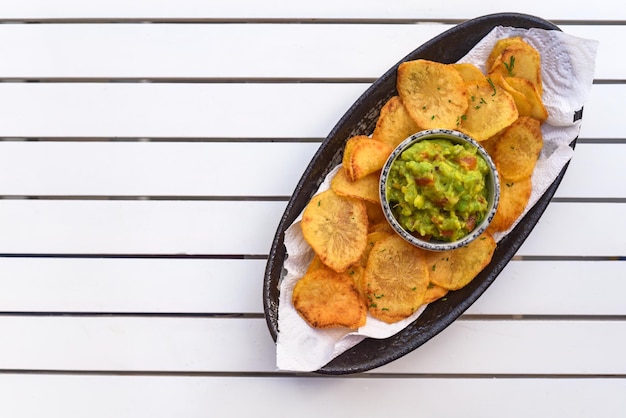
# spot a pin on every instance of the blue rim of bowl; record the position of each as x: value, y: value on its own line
x: 493, y: 182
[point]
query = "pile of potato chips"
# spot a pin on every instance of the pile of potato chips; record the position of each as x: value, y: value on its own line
x: 361, y: 266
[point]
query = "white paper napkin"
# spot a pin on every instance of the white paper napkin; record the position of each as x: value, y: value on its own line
x: 568, y: 66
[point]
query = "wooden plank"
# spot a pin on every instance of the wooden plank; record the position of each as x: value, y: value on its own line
x: 117, y: 285
x: 555, y: 288
x: 195, y: 397
x: 215, y: 110
x: 147, y: 169
x: 244, y: 227
x: 148, y: 227
x: 191, y: 286
x: 284, y: 9
x: 244, y: 345
x: 290, y: 51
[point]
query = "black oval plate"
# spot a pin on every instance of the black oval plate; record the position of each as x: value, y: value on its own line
x: 361, y: 118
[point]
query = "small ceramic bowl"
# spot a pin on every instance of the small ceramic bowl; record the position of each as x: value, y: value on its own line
x: 491, y: 180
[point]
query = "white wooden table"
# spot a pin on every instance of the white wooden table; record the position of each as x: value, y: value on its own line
x: 133, y: 243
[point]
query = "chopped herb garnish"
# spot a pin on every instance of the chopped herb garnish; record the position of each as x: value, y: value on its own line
x: 493, y: 86
x: 510, y: 65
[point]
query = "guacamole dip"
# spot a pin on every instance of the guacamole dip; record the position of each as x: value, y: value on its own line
x: 437, y: 189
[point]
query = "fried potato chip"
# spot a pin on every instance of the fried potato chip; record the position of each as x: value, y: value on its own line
x: 372, y: 239
x: 519, y: 59
x: 336, y: 229
x: 518, y: 148
x: 382, y: 226
x: 374, y: 213
x: 500, y: 46
x: 396, y: 279
x: 394, y: 124
x: 434, y: 94
x: 524, y: 107
x: 365, y: 188
x: 315, y: 264
x: 363, y: 155
x: 514, y: 196
x: 325, y: 299
x: 468, y: 71
x: 454, y: 269
x: 490, y: 110
x: 434, y: 292
x: 490, y: 144
x: 537, y: 109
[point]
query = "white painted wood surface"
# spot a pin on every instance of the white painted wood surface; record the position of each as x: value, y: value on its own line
x: 147, y: 152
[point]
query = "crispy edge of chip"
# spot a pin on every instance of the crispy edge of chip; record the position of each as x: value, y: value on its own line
x: 365, y: 188
x: 454, y: 269
x: 375, y: 213
x: 327, y: 299
x: 514, y: 196
x: 363, y: 156
x: 394, y: 123
x: 491, y: 109
x: 434, y: 292
x: 524, y: 107
x: 499, y: 46
x: 468, y: 71
x: 528, y: 89
x: 336, y: 228
x: 433, y: 93
x: 396, y: 279
x: 518, y: 148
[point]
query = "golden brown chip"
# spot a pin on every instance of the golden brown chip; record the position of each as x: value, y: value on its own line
x: 372, y: 239
x: 514, y: 197
x: 396, y: 279
x: 394, y: 124
x: 518, y: 148
x: 326, y: 299
x: 434, y: 94
x: 524, y: 107
x: 382, y: 226
x: 537, y: 109
x: 316, y: 263
x: 434, y: 292
x: 490, y: 144
x: 454, y: 269
x: 374, y: 213
x: 469, y: 72
x: 336, y: 228
x: 365, y: 188
x: 519, y: 59
x: 363, y: 155
x: 490, y: 110
x: 499, y: 46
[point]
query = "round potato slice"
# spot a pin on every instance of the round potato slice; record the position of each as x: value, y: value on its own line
x: 517, y: 149
x: 363, y: 155
x: 396, y: 279
x: 514, y: 196
x: 519, y: 60
x: 326, y: 299
x: 365, y: 188
x: 336, y: 228
x: 434, y: 94
x: 500, y: 46
x: 394, y: 124
x: 490, y: 110
x: 537, y: 109
x: 454, y: 269
x: 434, y: 293
x: 468, y: 71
